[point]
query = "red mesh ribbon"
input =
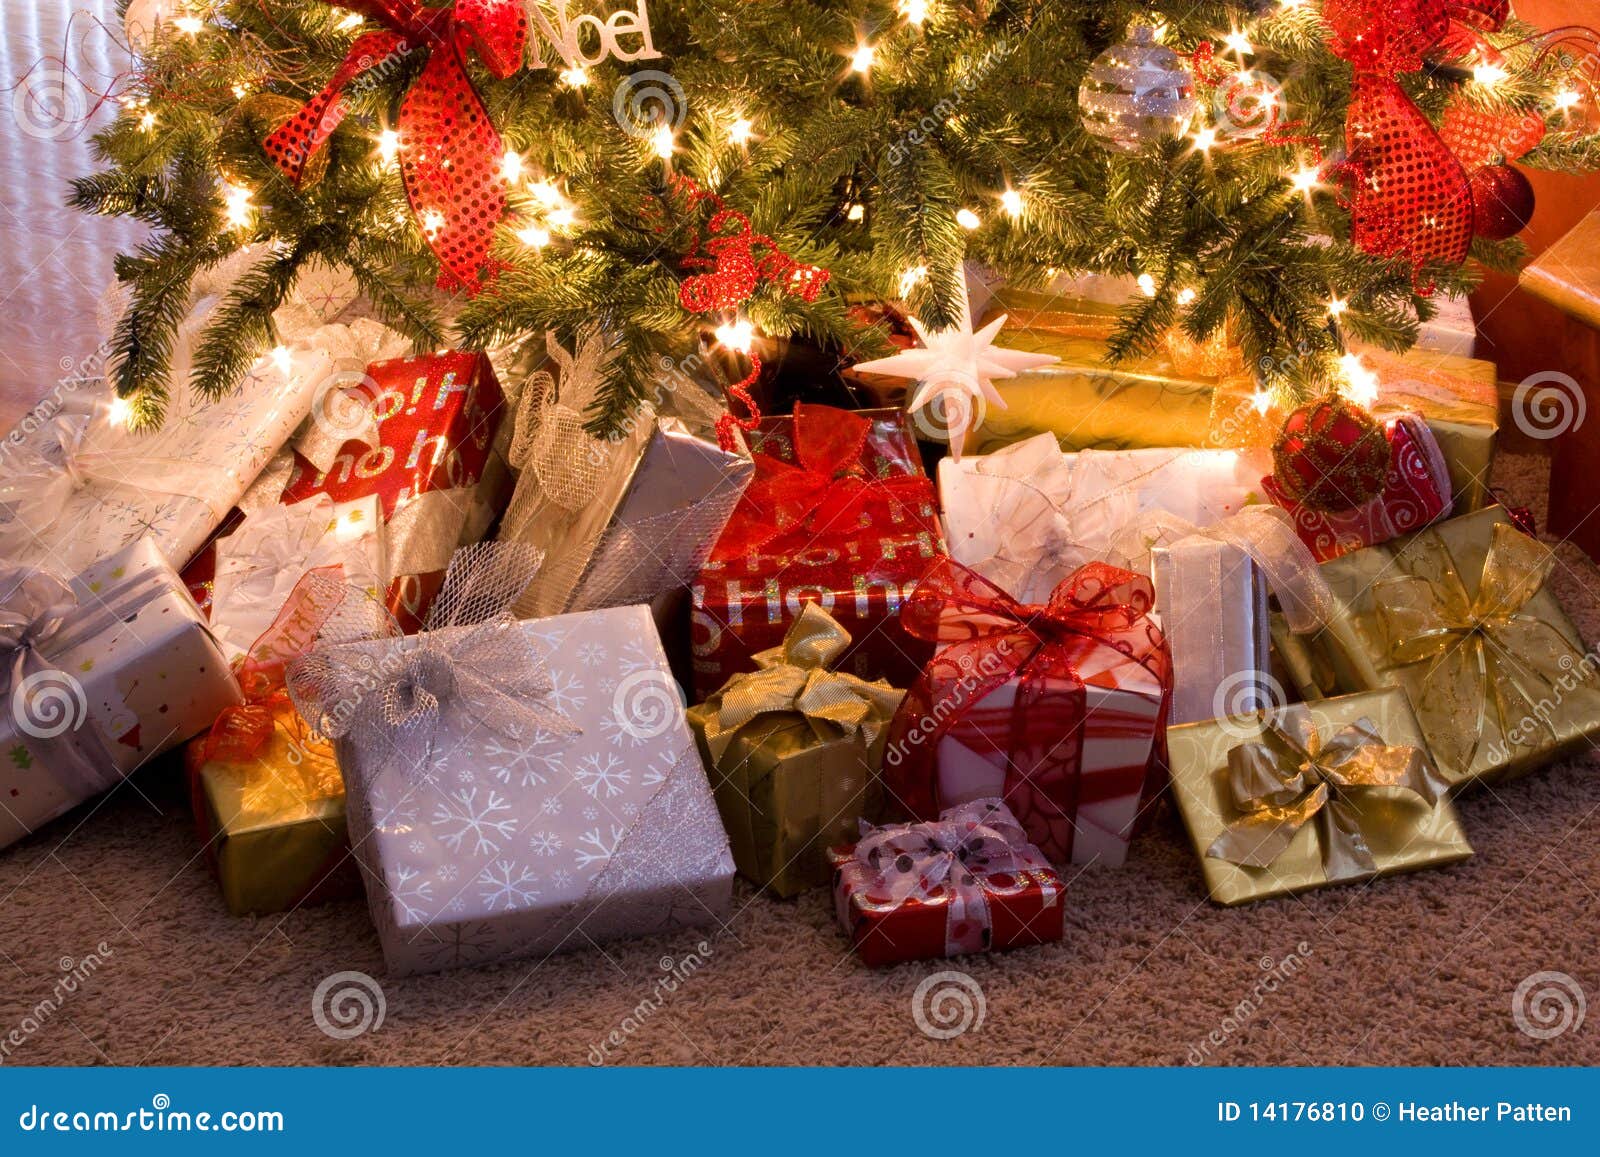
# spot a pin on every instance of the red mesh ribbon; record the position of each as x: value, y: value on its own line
x: 1097, y: 621
x: 827, y: 494
x: 1411, y: 194
x: 450, y: 153
x: 240, y: 732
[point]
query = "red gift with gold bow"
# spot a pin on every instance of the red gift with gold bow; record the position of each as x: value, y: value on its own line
x: 839, y: 514
x: 1058, y: 709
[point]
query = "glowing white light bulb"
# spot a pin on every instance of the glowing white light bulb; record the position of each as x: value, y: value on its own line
x: 911, y: 278
x: 147, y: 121
x: 1185, y: 296
x: 1489, y: 75
x: 1304, y: 180
x: 967, y: 219
x: 737, y: 335
x: 856, y: 212
x: 534, y: 237
x: 861, y: 59
x: 546, y: 194
x: 1361, y: 384
x: 1337, y: 306
x: 1565, y: 99
x: 562, y: 218
x: 661, y: 142
x: 574, y: 77
x: 432, y: 222
x: 1011, y: 202
x: 1147, y: 284
x: 1262, y: 400
x: 236, y: 203
x: 351, y: 20
x: 916, y: 11
x: 120, y: 412
x: 388, y: 146
x: 1204, y: 139
x: 511, y: 166
x: 739, y: 131
x: 1238, y: 42
x: 189, y: 25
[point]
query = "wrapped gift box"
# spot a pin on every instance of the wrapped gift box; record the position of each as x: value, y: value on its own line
x: 865, y: 532
x: 794, y: 751
x: 1056, y: 708
x: 501, y: 847
x: 968, y: 882
x: 430, y: 461
x: 1188, y: 395
x: 273, y: 825
x: 122, y: 668
x: 1393, y: 601
x: 1253, y: 813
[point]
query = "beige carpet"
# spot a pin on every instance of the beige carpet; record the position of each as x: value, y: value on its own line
x: 1416, y: 970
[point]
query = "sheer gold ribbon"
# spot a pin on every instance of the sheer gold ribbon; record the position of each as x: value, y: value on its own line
x: 795, y: 677
x: 1289, y: 776
x: 1479, y: 649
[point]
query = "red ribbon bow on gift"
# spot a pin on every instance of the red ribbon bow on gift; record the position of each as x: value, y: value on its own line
x: 241, y: 731
x: 1054, y: 652
x: 829, y: 492
x: 450, y: 153
x: 1412, y: 196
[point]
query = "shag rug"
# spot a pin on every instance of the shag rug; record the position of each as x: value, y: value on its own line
x: 1422, y: 969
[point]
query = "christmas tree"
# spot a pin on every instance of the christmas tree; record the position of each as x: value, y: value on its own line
x: 488, y: 171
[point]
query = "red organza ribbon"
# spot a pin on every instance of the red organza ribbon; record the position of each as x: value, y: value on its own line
x: 1411, y: 193
x: 450, y: 153
x: 1053, y: 652
x: 240, y: 732
x: 826, y: 495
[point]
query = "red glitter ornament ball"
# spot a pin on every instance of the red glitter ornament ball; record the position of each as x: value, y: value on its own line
x: 1331, y: 455
x: 1502, y: 202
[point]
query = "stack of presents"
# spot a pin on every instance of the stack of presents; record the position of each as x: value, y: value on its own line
x: 410, y: 630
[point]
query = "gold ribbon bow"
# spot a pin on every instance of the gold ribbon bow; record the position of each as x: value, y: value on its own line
x: 795, y: 677
x: 1289, y: 776
x: 1479, y: 648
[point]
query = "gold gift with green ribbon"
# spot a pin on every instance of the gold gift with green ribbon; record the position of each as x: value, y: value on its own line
x: 794, y: 751
x: 1296, y: 798
x: 1459, y: 615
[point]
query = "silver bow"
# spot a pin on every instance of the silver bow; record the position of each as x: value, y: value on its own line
x: 387, y: 695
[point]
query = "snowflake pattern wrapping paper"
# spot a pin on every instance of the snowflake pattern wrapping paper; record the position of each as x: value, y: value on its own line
x: 506, y: 849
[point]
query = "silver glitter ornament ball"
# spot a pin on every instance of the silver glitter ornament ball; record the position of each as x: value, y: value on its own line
x: 1137, y: 92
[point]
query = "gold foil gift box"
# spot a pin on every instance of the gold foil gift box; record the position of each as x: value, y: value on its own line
x: 1460, y: 616
x: 794, y: 751
x: 1301, y: 797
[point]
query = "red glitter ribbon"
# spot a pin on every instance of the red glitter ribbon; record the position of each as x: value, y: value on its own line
x: 450, y: 152
x: 828, y: 493
x: 1097, y: 620
x: 739, y: 260
x: 1411, y: 192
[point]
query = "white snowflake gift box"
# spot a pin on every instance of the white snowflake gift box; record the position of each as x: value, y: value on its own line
x: 98, y: 676
x: 517, y: 788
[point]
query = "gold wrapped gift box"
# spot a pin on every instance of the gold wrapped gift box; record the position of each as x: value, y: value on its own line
x: 275, y: 824
x: 794, y: 751
x: 1460, y: 617
x: 1263, y: 826
x: 1191, y: 394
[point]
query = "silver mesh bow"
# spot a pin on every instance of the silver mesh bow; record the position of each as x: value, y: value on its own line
x: 384, y: 695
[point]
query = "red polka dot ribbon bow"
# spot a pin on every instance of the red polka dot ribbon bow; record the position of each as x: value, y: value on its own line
x: 970, y: 853
x: 1093, y: 636
x: 450, y: 153
x: 1411, y: 193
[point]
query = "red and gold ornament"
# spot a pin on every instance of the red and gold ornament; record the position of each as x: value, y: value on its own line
x: 1331, y: 455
